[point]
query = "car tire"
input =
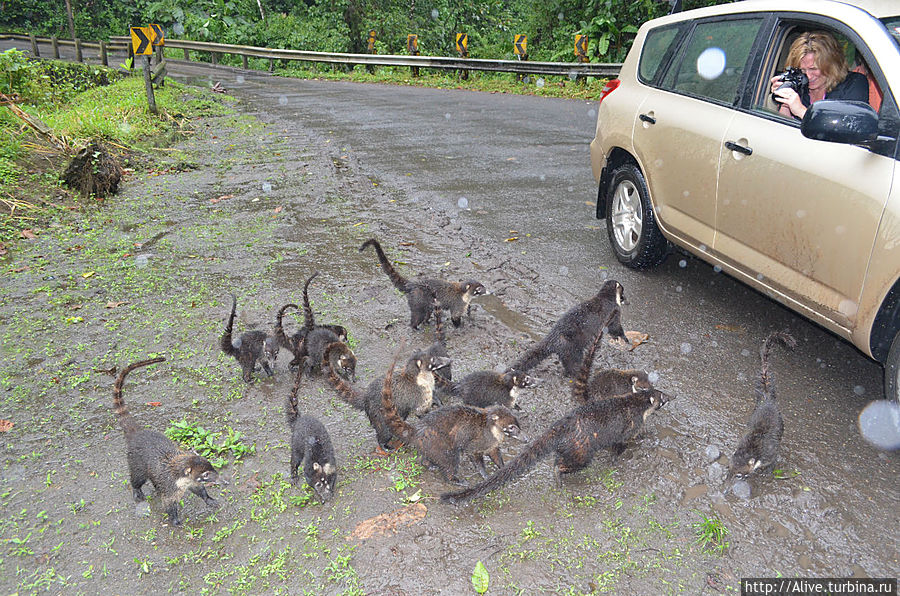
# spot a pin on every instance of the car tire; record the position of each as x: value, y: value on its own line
x: 631, y: 222
x: 892, y: 371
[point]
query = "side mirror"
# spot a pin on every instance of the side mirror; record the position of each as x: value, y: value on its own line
x: 837, y: 121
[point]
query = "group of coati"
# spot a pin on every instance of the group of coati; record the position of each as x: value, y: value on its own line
x: 611, y: 405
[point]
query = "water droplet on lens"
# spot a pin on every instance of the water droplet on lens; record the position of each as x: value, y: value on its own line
x: 678, y: 288
x: 801, y: 213
x: 741, y: 489
x: 462, y: 203
x: 282, y: 100
x: 239, y: 79
x: 760, y: 276
x: 682, y: 263
x: 542, y: 177
x: 266, y: 187
x: 563, y: 270
x: 879, y: 423
x: 539, y: 82
x: 717, y: 269
x: 653, y: 377
x: 686, y: 348
x: 141, y: 261
x: 434, y: 13
x: 447, y: 116
x: 859, y: 390
x: 702, y: 248
x: 745, y: 352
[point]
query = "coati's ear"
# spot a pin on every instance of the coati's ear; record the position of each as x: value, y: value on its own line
x: 316, y: 466
x: 495, y: 417
x: 419, y: 363
x: 754, y: 463
x: 187, y: 471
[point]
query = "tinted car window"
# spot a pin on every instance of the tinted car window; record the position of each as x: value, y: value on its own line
x: 714, y: 59
x: 657, y: 46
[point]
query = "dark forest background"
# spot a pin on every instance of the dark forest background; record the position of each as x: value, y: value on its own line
x: 343, y: 25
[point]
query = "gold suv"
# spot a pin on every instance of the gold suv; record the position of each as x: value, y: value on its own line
x: 692, y: 149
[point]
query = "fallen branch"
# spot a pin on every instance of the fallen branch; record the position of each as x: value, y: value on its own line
x: 39, y: 127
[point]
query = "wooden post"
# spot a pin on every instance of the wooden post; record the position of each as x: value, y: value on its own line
x: 34, y: 47
x: 103, y: 59
x: 271, y: 65
x: 187, y: 54
x: 78, y: 55
x: 244, y: 60
x: 55, y: 43
x: 148, y: 84
x: 214, y: 58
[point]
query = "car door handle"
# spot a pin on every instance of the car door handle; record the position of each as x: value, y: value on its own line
x: 739, y: 148
x: 648, y: 119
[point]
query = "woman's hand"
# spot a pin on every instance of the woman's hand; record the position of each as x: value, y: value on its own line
x: 789, y: 99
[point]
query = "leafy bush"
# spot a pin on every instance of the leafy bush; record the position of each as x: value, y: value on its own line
x: 208, y: 444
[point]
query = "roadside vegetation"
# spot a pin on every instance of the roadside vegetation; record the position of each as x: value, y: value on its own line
x: 78, y: 104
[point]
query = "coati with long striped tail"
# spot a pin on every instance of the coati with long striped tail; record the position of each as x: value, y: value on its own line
x: 573, y: 332
x: 575, y: 438
x: 413, y: 391
x: 443, y: 376
x: 758, y: 448
x: 311, y: 448
x: 445, y: 433
x: 485, y: 388
x: 311, y: 348
x: 250, y: 347
x: 454, y: 297
x: 153, y: 456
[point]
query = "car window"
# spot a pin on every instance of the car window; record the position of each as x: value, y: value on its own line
x: 658, y: 45
x: 714, y: 59
x: 893, y: 25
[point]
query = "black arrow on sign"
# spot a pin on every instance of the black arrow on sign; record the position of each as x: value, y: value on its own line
x: 520, y: 42
x: 143, y: 40
x: 160, y: 38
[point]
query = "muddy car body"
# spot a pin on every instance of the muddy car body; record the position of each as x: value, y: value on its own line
x: 690, y: 150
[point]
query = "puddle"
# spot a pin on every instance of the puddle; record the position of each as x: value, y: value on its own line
x: 513, y: 320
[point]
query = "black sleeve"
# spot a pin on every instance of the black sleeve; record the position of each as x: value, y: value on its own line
x: 854, y: 88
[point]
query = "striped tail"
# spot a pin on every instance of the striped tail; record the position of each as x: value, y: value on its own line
x: 533, y: 356
x: 225, y: 342
x: 400, y: 282
x: 308, y: 321
x: 580, y: 389
x: 401, y: 429
x: 766, y: 387
x: 129, y: 425
x: 283, y: 340
x: 291, y: 408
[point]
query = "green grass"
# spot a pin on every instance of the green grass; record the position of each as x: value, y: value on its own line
x: 711, y: 533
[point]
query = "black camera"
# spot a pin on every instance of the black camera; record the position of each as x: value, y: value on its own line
x: 793, y: 78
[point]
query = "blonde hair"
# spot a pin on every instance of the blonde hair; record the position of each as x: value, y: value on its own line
x: 829, y: 55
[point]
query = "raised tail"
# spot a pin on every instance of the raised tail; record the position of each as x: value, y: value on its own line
x: 125, y: 419
x: 400, y: 282
x: 531, y: 455
x: 225, y: 342
x: 401, y: 429
x: 283, y: 340
x: 439, y: 334
x: 344, y: 389
x: 309, y: 321
x: 580, y: 388
x: 766, y: 387
x: 291, y: 409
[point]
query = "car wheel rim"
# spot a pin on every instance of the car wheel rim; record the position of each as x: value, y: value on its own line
x: 627, y: 215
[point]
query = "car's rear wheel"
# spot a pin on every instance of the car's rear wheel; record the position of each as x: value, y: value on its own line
x: 631, y: 222
x: 892, y: 371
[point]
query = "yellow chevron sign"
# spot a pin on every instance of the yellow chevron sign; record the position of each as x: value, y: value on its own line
x: 141, y: 43
x: 520, y: 45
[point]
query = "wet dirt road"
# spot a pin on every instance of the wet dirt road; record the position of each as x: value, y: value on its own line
x: 294, y: 182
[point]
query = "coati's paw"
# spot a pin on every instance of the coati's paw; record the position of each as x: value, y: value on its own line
x: 210, y: 502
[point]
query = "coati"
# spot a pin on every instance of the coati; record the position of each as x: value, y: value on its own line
x: 443, y: 434
x: 486, y: 388
x: 413, y: 391
x: 310, y: 346
x: 310, y: 448
x: 153, y: 456
x: 575, y: 438
x: 454, y: 297
x: 608, y: 382
x: 443, y: 376
x: 294, y: 342
x: 574, y: 331
x: 249, y: 347
x: 758, y: 448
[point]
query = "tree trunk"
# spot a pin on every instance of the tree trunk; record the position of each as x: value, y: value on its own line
x: 71, y: 19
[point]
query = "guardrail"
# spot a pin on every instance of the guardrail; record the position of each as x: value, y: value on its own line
x: 520, y: 67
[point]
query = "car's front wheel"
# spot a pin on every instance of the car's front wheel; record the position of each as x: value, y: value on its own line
x: 892, y: 371
x: 631, y: 222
